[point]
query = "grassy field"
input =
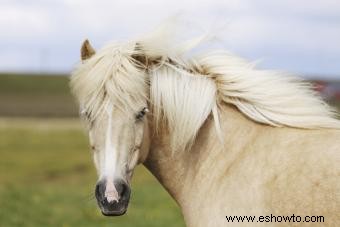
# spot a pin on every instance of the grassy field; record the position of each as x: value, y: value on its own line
x: 47, y: 179
x: 36, y: 96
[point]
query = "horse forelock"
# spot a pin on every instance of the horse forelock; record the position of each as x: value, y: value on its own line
x: 110, y: 76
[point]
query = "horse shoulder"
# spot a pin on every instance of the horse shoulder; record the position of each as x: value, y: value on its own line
x: 305, y: 176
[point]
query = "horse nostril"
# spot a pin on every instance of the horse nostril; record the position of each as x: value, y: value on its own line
x: 99, y: 190
x: 123, y: 190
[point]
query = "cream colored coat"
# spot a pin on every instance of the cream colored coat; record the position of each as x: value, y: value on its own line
x: 261, y: 170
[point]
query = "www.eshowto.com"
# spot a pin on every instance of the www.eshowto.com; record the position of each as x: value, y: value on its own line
x: 276, y: 218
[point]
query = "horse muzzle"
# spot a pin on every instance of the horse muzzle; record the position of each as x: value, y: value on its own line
x: 112, y: 197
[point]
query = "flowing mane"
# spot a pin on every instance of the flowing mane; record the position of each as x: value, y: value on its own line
x: 183, y: 91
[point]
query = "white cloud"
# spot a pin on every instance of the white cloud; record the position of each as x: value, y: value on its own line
x: 248, y: 26
x: 22, y: 20
x: 328, y: 7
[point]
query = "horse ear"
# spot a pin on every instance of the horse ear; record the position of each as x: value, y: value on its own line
x: 86, y: 50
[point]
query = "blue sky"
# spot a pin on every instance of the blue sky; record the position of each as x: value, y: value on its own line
x: 301, y: 37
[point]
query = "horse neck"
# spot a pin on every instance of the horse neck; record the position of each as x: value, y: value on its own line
x: 188, y: 175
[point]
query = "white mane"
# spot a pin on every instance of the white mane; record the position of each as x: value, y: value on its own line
x: 183, y: 91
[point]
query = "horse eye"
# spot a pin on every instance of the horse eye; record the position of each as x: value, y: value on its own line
x: 85, y: 114
x: 93, y: 148
x: 141, y: 113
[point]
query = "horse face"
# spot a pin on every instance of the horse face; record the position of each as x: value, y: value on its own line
x: 119, y: 143
x: 119, y: 136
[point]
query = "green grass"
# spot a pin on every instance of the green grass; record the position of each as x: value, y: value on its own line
x: 36, y: 95
x: 47, y: 179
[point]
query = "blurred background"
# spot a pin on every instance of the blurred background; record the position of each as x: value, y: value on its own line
x: 46, y: 173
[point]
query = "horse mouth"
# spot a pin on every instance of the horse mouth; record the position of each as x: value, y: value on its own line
x: 113, y: 209
x: 114, y: 213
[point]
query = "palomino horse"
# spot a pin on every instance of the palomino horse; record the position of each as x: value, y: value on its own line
x: 225, y: 139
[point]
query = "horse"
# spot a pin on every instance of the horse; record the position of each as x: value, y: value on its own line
x: 225, y: 139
